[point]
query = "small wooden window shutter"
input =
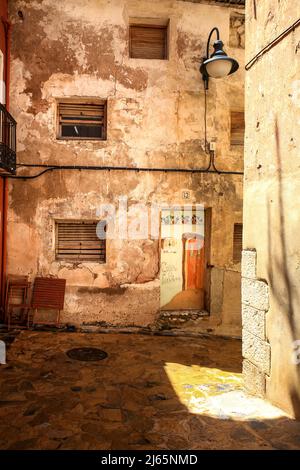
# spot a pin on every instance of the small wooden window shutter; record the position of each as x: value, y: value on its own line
x: 237, y: 242
x: 237, y: 128
x: 89, y: 115
x: 148, y: 42
x: 78, y: 241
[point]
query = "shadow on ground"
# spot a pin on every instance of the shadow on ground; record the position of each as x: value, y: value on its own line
x: 149, y: 393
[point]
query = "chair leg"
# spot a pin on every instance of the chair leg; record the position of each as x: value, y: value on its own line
x: 6, y: 306
x: 28, y: 318
x: 6, y: 296
x: 5, y: 316
x: 8, y: 319
x: 34, y: 315
x: 58, y: 319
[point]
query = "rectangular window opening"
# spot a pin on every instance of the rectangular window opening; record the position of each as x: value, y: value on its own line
x: 82, y: 120
x: 237, y: 242
x: 78, y: 241
x: 148, y: 41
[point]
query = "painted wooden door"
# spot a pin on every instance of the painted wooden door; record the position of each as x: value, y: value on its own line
x: 182, y: 260
x: 194, y: 263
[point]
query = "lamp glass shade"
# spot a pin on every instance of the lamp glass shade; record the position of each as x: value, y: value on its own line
x: 219, y: 68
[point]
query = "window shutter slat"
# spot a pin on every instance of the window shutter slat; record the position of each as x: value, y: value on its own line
x: 237, y: 242
x: 79, y: 241
x: 82, y: 120
x: 237, y: 128
x: 148, y: 42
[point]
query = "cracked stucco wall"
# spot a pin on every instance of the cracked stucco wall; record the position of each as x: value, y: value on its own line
x: 271, y: 194
x: 155, y: 118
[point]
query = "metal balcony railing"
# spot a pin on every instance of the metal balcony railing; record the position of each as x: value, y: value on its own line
x: 7, y: 142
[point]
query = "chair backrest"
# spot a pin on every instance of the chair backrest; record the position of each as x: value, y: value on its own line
x: 16, y: 278
x: 48, y: 293
x: 16, y: 289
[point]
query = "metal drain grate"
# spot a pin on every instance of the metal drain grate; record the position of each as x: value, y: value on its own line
x: 86, y: 354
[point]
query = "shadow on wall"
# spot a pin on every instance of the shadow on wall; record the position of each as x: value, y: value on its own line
x: 280, y: 277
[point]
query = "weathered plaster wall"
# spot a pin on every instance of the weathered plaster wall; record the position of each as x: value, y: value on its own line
x: 271, y: 212
x: 155, y: 118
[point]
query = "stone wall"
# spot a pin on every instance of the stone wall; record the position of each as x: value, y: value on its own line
x: 255, y: 304
x: 271, y: 212
x: 155, y: 114
x: 237, y: 30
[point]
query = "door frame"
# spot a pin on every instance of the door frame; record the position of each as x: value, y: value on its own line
x: 207, y: 251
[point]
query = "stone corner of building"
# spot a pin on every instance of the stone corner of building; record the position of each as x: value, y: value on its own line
x: 249, y: 263
x: 254, y: 379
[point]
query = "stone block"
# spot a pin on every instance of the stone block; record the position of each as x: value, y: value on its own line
x: 254, y: 379
x: 255, y: 293
x: 254, y: 321
x: 257, y: 351
x: 249, y: 264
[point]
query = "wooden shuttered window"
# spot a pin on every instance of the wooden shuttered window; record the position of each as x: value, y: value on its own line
x: 79, y: 120
x: 148, y: 41
x: 78, y: 241
x: 237, y: 128
x: 237, y: 242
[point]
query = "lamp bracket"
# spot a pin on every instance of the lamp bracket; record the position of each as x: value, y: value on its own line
x: 205, y: 76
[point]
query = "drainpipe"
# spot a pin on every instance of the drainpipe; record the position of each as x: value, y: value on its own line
x: 6, y: 26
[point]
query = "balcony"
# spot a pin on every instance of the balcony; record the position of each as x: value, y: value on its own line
x: 7, y: 142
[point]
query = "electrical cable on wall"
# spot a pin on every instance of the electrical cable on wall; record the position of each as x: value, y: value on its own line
x: 47, y: 168
x: 210, y: 67
x: 273, y: 43
x: 212, y: 166
x: 205, y: 123
x: 219, y: 56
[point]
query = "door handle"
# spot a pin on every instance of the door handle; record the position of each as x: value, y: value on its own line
x: 210, y: 265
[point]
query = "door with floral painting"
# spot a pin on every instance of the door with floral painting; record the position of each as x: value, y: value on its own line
x: 183, y: 259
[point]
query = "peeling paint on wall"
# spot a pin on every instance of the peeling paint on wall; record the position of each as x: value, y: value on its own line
x: 155, y: 117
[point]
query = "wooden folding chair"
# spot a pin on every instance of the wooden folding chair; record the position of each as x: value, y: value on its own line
x: 16, y: 298
x: 48, y: 293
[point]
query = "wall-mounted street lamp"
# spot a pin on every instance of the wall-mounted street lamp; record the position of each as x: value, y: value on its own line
x: 219, y: 64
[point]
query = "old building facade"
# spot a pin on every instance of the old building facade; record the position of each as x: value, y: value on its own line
x: 86, y: 63
x: 7, y: 139
x: 270, y: 292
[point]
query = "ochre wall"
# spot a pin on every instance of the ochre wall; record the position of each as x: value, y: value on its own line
x: 3, y: 191
x: 3, y: 14
x: 271, y: 205
x: 155, y: 118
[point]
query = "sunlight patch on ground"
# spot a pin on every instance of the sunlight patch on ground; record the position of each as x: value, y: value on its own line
x: 217, y: 393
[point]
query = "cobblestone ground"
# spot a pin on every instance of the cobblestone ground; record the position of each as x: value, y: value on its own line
x: 151, y: 392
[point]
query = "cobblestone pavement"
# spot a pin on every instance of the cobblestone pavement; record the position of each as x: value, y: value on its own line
x: 151, y: 392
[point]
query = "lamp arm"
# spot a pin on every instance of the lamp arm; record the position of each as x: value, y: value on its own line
x: 209, y: 38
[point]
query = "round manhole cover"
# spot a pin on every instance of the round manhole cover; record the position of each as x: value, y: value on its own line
x: 86, y: 354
